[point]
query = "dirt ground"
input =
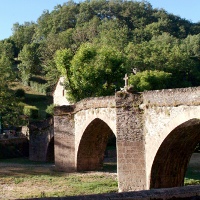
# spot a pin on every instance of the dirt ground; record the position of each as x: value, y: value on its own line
x: 17, y: 180
x: 13, y: 170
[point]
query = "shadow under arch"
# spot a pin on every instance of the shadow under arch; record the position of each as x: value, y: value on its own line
x: 170, y: 163
x: 93, y: 145
x: 50, y: 156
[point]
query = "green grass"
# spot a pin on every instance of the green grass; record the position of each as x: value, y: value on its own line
x: 110, y: 167
x: 192, y: 176
x: 34, y: 98
x: 33, y: 180
x: 39, y: 101
x: 39, y: 179
x: 23, y: 161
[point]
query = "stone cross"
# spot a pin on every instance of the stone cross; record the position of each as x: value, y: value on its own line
x: 126, y: 82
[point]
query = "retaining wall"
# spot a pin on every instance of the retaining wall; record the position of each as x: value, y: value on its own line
x: 14, y: 147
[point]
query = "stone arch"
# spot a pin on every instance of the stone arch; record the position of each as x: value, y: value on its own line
x: 50, y: 151
x: 171, y: 160
x: 92, y: 145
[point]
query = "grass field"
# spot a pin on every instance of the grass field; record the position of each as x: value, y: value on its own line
x: 192, y: 176
x: 34, y: 98
x: 21, y: 178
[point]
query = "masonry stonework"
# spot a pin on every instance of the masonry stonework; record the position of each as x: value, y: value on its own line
x: 130, y: 142
x: 156, y: 133
x: 171, y: 127
x: 64, y: 138
x: 40, y: 135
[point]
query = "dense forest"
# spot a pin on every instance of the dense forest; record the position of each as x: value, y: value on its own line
x: 94, y: 43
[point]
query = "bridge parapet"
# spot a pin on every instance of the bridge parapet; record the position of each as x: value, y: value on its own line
x: 87, y: 103
x: 95, y: 102
x: 172, y: 97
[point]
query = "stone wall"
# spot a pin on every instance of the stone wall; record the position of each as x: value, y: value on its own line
x: 172, y: 97
x: 95, y: 102
x: 64, y: 138
x: 40, y: 135
x: 130, y: 142
x: 59, y: 95
x: 182, y: 193
x: 14, y: 147
x: 169, y: 114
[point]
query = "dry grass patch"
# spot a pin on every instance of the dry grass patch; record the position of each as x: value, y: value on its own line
x: 33, y: 181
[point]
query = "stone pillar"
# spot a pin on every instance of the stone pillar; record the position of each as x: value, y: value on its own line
x: 64, y: 138
x: 130, y: 142
x: 40, y: 133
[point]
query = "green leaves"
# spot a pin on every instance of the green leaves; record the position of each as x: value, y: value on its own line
x: 93, y: 70
x: 62, y: 59
x: 165, y: 53
x: 30, y: 62
x: 150, y: 80
x: 94, y: 43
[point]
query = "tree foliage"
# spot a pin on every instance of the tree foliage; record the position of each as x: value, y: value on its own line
x: 94, y: 43
x: 93, y: 71
x: 9, y: 104
x: 30, y: 62
x: 150, y: 80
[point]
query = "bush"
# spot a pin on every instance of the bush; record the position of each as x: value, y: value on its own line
x: 41, y: 88
x: 31, y: 111
x: 150, y: 80
x: 20, y: 93
x: 50, y: 110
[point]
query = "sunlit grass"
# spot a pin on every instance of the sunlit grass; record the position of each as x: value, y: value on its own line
x: 35, y: 180
x: 38, y: 179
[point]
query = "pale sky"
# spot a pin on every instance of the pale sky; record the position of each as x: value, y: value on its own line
x: 12, y: 11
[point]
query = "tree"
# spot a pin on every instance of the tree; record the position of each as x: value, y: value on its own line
x: 30, y: 62
x: 113, y: 33
x: 93, y: 71
x: 10, y: 109
x: 23, y: 34
x: 150, y: 80
x: 165, y: 53
x: 191, y: 45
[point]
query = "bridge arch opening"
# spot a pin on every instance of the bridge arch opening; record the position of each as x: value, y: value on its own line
x: 172, y: 158
x: 50, y: 156
x: 92, y: 147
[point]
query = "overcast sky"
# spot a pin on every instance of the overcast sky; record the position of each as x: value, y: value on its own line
x: 12, y: 11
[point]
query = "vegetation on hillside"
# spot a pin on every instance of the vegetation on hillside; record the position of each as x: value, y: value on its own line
x: 94, y: 43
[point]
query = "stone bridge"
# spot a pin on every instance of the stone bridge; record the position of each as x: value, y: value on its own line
x: 156, y: 133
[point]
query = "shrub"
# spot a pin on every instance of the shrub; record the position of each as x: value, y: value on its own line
x: 20, y: 93
x: 31, y: 111
x: 50, y: 110
x: 150, y: 80
x: 41, y: 88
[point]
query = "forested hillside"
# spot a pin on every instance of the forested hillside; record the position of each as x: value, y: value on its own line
x: 94, y: 43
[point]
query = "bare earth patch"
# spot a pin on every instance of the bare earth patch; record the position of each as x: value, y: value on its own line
x: 18, y: 181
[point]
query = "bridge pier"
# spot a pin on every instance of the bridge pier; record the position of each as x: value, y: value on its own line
x: 64, y: 139
x: 130, y: 142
